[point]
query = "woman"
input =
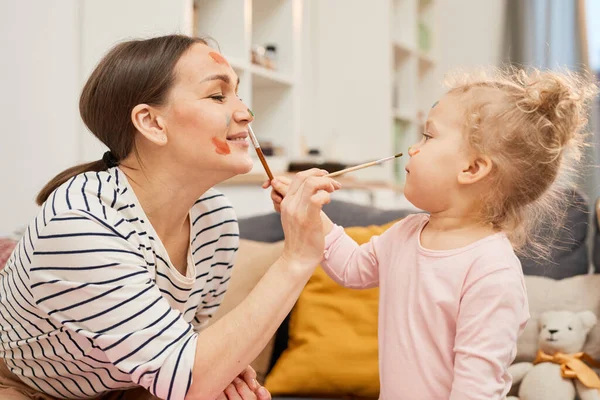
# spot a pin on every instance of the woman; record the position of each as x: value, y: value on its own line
x: 116, y: 278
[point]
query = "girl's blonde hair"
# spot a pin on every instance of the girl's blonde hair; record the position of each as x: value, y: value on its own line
x: 532, y: 126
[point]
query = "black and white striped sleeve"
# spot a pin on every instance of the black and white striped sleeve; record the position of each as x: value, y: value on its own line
x: 89, y: 278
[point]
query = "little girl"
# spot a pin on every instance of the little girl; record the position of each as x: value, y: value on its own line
x: 452, y: 294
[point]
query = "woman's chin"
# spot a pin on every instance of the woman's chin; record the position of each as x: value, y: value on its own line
x: 243, y: 166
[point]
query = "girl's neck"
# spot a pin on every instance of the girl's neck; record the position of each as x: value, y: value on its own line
x: 447, y: 230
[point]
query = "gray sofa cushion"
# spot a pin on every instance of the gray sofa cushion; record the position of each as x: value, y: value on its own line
x: 569, y: 256
x: 267, y: 228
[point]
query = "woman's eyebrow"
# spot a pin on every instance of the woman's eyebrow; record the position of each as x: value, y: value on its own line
x: 220, y: 77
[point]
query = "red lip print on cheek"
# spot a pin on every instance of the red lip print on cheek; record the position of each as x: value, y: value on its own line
x: 221, y: 146
x: 219, y: 59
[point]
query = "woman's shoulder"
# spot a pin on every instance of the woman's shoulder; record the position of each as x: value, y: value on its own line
x: 101, y: 197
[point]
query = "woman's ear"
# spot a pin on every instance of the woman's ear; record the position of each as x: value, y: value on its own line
x: 475, y: 169
x: 149, y: 123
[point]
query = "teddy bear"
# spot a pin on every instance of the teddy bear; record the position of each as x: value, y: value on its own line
x: 560, y: 371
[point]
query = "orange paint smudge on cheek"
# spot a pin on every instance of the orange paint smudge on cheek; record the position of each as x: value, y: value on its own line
x: 219, y: 59
x: 221, y: 146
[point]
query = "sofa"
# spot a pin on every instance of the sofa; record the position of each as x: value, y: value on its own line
x: 563, y: 281
x: 326, y: 347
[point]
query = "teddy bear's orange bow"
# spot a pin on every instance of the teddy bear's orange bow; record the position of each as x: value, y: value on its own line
x: 573, y: 366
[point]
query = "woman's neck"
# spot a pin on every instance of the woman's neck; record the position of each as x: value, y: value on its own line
x: 165, y: 197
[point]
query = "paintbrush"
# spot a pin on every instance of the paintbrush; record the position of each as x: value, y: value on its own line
x: 259, y: 152
x: 361, y: 166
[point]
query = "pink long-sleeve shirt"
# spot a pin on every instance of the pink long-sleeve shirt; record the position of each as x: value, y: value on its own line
x: 448, y: 320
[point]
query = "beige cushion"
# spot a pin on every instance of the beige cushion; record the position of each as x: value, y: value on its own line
x: 252, y: 261
x: 577, y: 293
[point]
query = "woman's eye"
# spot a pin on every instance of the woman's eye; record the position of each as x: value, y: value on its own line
x: 426, y: 136
x: 218, y: 97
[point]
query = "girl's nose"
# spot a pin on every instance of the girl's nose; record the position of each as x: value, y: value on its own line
x: 412, y: 151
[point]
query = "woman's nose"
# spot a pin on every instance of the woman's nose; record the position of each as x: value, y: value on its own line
x: 244, y: 115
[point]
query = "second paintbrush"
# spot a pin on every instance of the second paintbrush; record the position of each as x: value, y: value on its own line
x: 361, y: 166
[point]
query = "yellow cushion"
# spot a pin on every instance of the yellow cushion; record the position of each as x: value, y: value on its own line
x: 332, y: 348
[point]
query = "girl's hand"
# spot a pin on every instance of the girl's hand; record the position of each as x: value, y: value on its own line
x: 301, y: 216
x: 280, y: 185
x: 245, y: 387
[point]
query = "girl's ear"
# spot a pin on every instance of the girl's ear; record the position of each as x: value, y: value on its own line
x: 475, y: 169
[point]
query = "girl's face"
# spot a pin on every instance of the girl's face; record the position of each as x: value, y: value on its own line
x: 437, y: 160
x: 205, y: 120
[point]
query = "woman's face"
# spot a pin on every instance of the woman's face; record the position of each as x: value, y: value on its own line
x: 206, y: 122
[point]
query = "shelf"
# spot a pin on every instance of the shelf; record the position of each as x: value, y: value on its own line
x: 348, y: 182
x: 266, y: 78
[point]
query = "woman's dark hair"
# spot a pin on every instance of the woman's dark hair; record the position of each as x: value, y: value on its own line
x: 131, y: 73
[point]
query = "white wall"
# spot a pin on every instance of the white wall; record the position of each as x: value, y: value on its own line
x: 107, y: 22
x: 49, y: 48
x: 469, y: 33
x: 38, y: 103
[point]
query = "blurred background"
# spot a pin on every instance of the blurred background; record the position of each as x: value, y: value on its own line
x: 332, y: 82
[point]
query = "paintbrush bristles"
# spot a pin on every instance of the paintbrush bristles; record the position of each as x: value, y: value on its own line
x: 361, y: 166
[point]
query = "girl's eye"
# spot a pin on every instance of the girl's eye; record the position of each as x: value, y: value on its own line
x: 426, y: 136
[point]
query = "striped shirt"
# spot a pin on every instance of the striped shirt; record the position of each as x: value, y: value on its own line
x: 90, y: 302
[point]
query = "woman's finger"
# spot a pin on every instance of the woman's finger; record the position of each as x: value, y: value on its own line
x: 243, y: 389
x: 300, y: 177
x: 221, y: 396
x: 232, y: 393
x: 249, y: 376
x: 263, y: 394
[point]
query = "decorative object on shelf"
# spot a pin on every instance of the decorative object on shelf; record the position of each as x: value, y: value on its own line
x: 258, y: 55
x: 271, y: 56
x: 265, y: 56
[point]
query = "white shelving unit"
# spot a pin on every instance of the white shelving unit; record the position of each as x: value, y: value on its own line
x: 272, y: 94
x: 413, y: 45
x: 354, y: 78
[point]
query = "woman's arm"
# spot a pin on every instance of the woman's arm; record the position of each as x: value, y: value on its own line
x: 225, y: 348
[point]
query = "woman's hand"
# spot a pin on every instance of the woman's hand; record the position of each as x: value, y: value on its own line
x: 245, y: 387
x: 301, y: 216
x: 280, y: 187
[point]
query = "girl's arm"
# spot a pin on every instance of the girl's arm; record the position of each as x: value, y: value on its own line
x: 492, y: 314
x: 348, y: 263
x: 345, y: 261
